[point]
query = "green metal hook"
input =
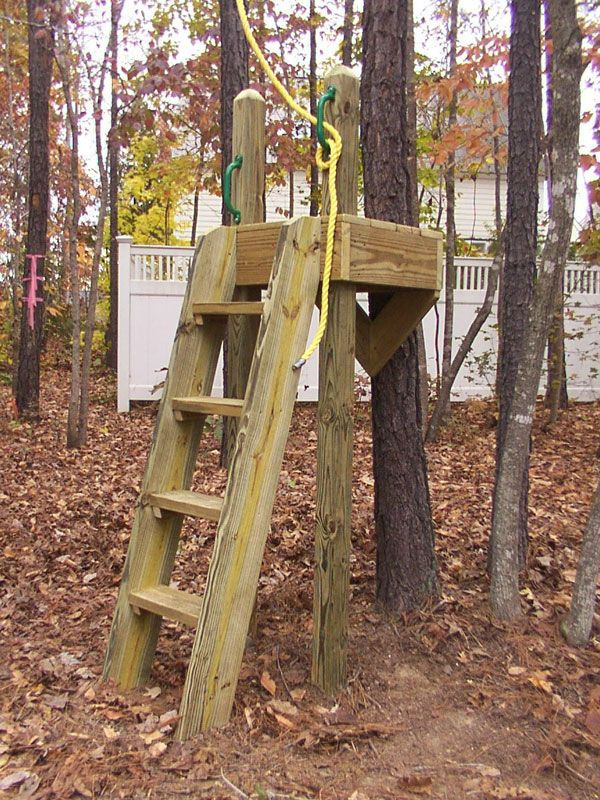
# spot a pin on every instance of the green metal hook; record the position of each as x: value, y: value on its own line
x: 329, y: 95
x: 235, y: 164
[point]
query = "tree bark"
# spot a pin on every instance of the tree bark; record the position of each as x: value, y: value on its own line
x: 17, y: 199
x: 504, y: 590
x: 406, y: 566
x: 347, y: 33
x: 524, y: 115
x: 234, y: 78
x: 112, y: 331
x: 577, y: 626
x: 90, y: 321
x: 41, y: 54
x: 195, y: 215
x: 62, y: 55
x: 450, y: 210
x: 312, y: 104
x: 556, y: 382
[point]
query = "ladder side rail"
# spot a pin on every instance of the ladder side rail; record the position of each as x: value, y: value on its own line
x: 171, y: 462
x: 247, y: 506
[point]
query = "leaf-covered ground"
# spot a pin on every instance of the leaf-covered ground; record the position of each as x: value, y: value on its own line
x: 446, y: 703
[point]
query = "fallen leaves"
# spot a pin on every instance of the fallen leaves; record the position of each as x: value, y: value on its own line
x: 268, y: 684
x: 64, y: 523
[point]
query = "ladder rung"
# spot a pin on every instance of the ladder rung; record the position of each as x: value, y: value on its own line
x: 183, y: 407
x: 168, y: 602
x: 202, y: 310
x: 182, y: 501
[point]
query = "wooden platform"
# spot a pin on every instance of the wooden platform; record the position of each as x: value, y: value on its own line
x: 369, y: 253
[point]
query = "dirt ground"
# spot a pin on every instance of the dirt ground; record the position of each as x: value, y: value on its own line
x: 444, y: 704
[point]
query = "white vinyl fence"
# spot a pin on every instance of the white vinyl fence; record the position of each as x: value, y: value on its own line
x: 152, y: 283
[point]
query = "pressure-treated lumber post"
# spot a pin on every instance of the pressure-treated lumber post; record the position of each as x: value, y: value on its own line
x: 171, y: 462
x: 247, y: 196
x: 336, y: 403
x: 254, y: 473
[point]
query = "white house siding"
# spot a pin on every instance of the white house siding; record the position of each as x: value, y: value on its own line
x: 209, y: 207
x: 475, y: 207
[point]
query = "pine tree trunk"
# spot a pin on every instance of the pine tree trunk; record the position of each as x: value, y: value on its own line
x: 41, y: 53
x: 103, y: 164
x: 578, y: 625
x: 347, y: 34
x: 74, y: 212
x: 556, y: 381
x: 450, y: 278
x: 234, y: 78
x: 112, y: 331
x: 14, y: 246
x: 524, y: 115
x: 312, y: 101
x: 504, y: 590
x: 406, y: 567
x: 195, y: 215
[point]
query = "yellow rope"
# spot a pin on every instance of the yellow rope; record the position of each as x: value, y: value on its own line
x: 335, y: 145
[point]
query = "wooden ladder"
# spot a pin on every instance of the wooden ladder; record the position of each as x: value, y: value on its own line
x: 222, y: 616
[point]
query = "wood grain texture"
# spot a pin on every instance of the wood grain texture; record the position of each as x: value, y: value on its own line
x: 166, y: 601
x: 153, y: 543
x: 376, y: 254
x: 183, y: 407
x: 247, y: 195
x: 183, y: 501
x: 377, y: 340
x: 335, y: 416
x: 209, y: 311
x: 235, y: 566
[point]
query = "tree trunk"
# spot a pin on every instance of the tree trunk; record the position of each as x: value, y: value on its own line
x: 450, y: 210
x: 234, y: 78
x: 557, y: 398
x: 504, y: 591
x: 556, y: 380
x: 524, y: 114
x: 41, y: 53
x: 65, y: 68
x: 90, y: 321
x: 406, y: 567
x: 195, y: 215
x: 312, y: 103
x: 577, y: 627
x: 112, y: 331
x: 348, y: 30
x: 17, y: 201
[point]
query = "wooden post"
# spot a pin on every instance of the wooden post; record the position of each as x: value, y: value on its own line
x: 171, y: 463
x: 247, y: 195
x: 336, y: 404
x: 247, y: 506
x: 124, y: 319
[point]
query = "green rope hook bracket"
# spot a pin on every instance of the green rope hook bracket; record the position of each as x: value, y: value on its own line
x: 235, y: 212
x: 329, y: 95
